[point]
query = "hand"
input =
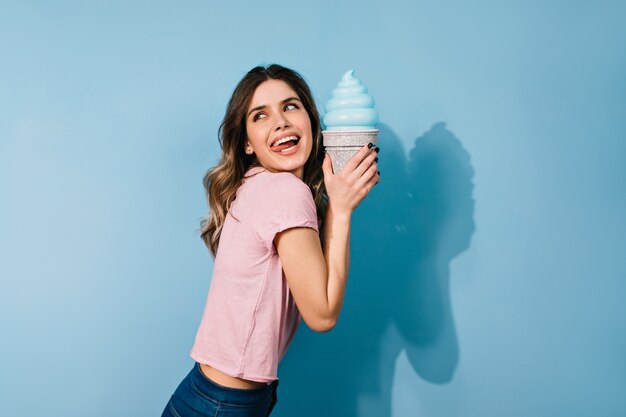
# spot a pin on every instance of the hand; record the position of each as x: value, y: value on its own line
x: 349, y: 187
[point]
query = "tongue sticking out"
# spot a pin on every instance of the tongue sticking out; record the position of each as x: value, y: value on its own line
x: 278, y: 148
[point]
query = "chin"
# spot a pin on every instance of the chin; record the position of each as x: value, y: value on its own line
x: 292, y: 168
x: 292, y: 163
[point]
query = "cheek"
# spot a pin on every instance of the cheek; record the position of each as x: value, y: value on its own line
x: 305, y: 123
x: 249, y: 130
x: 255, y: 134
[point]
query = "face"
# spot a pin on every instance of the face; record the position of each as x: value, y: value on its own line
x: 279, y: 128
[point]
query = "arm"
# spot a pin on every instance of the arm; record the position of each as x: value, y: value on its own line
x: 317, y: 276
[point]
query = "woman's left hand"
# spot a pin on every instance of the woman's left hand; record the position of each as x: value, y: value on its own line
x: 349, y: 187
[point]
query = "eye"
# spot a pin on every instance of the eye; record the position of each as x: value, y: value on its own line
x: 258, y: 116
x: 291, y: 106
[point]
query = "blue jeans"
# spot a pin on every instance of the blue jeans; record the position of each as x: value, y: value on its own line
x: 199, y: 396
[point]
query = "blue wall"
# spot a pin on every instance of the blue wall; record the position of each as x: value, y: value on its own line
x: 487, y: 272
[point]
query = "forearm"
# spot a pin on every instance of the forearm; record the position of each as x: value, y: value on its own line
x: 337, y: 257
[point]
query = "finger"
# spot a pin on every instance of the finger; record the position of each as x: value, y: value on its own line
x: 327, y: 167
x: 364, y: 165
x: 356, y: 159
x: 371, y: 183
x: 376, y: 178
x: 370, y: 174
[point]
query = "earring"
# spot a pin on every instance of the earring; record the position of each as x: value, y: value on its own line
x: 248, y: 148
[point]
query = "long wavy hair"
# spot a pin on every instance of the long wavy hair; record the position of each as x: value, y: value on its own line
x: 222, y: 181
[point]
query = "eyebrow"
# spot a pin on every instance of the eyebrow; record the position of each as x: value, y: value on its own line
x: 262, y: 106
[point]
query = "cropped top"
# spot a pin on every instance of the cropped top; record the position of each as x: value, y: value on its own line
x: 250, y: 316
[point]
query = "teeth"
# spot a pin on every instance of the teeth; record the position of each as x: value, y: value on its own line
x: 283, y: 140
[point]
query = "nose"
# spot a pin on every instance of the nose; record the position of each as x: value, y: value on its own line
x: 281, y: 121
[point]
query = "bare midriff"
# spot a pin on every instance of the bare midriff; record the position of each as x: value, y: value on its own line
x: 229, y: 381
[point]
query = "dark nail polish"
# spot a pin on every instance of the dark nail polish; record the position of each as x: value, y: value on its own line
x: 369, y: 145
x: 377, y: 149
x: 376, y: 159
x: 378, y: 173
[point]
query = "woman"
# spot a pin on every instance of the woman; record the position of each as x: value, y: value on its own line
x: 279, y: 228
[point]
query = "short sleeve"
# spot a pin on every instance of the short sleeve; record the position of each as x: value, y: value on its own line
x: 283, y: 202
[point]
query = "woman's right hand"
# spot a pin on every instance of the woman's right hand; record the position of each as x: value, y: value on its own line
x: 349, y: 187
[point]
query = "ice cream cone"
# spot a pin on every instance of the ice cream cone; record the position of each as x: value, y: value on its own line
x: 350, y: 120
x: 343, y: 144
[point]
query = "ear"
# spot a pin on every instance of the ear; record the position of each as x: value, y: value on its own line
x: 248, y: 148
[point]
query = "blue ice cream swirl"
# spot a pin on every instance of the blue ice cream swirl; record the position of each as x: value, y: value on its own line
x: 350, y: 107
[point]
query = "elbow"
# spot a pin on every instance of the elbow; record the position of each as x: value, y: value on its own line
x: 322, y: 326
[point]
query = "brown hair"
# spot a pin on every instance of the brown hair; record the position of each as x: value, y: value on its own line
x: 222, y: 181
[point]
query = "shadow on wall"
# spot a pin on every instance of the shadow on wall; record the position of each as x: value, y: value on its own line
x: 404, y: 236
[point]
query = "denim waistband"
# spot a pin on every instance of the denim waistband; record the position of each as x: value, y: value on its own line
x: 228, y: 394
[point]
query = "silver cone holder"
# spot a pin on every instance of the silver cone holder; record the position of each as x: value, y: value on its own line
x: 343, y: 144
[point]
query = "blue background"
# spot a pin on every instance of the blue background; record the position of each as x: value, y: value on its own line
x: 487, y: 266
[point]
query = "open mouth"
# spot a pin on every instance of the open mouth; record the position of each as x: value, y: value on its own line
x: 285, y: 144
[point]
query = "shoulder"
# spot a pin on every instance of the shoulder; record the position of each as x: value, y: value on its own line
x: 279, y: 185
x: 279, y: 197
x: 279, y: 201
x: 287, y: 179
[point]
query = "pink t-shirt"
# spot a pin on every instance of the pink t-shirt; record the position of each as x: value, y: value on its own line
x: 250, y: 316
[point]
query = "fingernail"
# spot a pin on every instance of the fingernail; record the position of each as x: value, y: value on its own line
x: 377, y: 149
x: 369, y: 145
x: 376, y: 159
x: 378, y: 172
